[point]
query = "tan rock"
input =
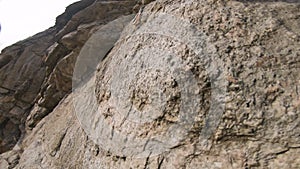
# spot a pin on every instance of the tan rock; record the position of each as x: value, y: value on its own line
x: 195, y: 84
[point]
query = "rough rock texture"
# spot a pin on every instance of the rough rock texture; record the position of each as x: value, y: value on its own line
x: 188, y: 84
x: 36, y: 73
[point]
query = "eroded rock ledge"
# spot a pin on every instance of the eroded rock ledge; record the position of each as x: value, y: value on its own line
x: 188, y: 84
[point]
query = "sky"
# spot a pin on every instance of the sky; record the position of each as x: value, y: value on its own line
x: 20, y: 19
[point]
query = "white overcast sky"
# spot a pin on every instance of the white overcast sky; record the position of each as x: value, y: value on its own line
x: 20, y: 19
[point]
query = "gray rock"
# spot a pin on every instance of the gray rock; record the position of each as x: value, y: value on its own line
x: 188, y: 84
x: 36, y: 73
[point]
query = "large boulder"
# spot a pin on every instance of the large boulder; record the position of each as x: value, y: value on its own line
x: 188, y: 84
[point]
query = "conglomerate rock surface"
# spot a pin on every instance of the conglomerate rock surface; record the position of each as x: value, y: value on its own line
x: 181, y: 84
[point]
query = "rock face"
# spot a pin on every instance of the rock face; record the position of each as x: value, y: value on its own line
x: 37, y: 73
x: 181, y: 84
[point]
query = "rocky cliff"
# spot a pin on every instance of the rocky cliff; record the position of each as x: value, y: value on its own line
x: 155, y: 84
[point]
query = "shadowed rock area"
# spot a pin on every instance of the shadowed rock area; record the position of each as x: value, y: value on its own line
x: 178, y: 84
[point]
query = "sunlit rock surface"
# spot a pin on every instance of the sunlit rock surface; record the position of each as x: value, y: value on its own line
x: 180, y: 84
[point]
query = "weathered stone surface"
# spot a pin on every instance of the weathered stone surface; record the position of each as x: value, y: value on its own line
x: 189, y: 84
x: 62, y: 56
x: 102, y: 11
x: 51, y: 150
x: 23, y: 69
x: 21, y: 78
x: 71, y: 10
x: 35, y: 74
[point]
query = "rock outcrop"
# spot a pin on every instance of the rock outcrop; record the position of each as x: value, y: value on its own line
x: 180, y: 84
x: 37, y: 73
